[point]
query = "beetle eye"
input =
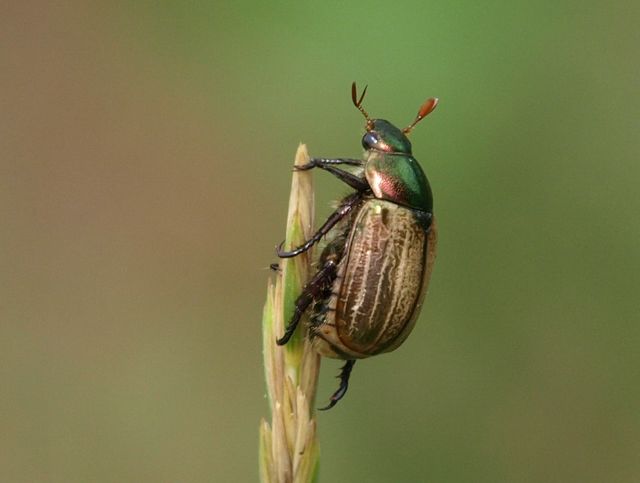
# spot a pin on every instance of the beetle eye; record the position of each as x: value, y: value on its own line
x: 369, y: 140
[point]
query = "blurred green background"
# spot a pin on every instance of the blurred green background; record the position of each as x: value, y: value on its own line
x: 145, y: 157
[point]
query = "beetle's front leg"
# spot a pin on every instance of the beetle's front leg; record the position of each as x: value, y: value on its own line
x: 312, y: 291
x: 356, y: 181
x: 345, y: 372
x: 323, y: 162
x: 343, y: 210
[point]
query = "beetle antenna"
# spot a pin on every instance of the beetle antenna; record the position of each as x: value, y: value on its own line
x: 358, y: 102
x: 426, y: 108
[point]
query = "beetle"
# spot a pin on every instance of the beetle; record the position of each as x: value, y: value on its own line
x: 374, y: 270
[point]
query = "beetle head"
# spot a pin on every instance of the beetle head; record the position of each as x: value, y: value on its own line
x: 383, y: 136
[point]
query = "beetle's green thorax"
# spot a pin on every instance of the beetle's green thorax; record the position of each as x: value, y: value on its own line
x: 399, y: 178
x: 383, y: 136
x: 391, y: 170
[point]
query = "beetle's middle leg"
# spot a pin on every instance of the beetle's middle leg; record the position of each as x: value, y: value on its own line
x: 312, y: 291
x: 343, y: 210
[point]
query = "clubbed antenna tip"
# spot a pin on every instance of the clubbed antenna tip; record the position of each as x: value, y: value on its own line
x: 426, y: 108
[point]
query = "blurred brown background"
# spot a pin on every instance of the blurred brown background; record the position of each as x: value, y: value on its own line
x: 145, y: 152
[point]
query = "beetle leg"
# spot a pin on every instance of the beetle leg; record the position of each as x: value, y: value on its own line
x: 322, y: 162
x: 345, y: 372
x: 312, y: 291
x: 343, y: 210
x: 359, y: 183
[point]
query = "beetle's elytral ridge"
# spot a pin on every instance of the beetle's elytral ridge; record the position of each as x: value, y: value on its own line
x: 382, y: 270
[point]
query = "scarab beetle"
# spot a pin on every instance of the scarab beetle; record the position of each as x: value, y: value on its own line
x: 374, y: 271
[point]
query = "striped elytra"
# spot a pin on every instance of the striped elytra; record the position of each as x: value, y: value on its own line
x: 382, y: 280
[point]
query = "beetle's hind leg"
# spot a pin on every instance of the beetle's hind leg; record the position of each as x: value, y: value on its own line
x: 313, y: 290
x: 345, y: 373
x: 343, y: 210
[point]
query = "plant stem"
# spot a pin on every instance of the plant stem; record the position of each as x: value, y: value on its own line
x: 289, y: 450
